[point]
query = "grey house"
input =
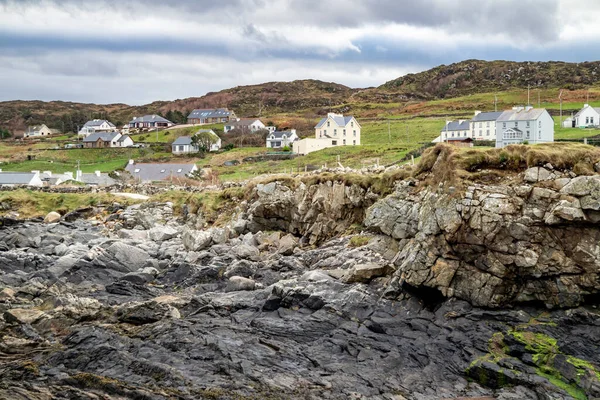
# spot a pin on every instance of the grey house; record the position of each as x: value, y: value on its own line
x: 154, y: 172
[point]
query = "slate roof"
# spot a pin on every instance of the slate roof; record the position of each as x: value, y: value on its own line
x: 159, y: 172
x: 95, y: 180
x: 522, y: 115
x: 244, y: 122
x: 16, y: 178
x: 210, y: 113
x: 104, y: 136
x: 98, y: 122
x: 207, y: 131
x: 487, y: 116
x: 339, y: 120
x: 597, y: 109
x: 182, y: 140
x: 279, y: 134
x: 456, y: 126
x: 123, y: 138
x: 149, y: 118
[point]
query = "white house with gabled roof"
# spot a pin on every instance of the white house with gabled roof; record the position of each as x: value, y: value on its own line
x: 588, y: 116
x: 483, y: 125
x: 342, y: 130
x: 524, y: 124
x: 280, y: 139
x: 96, y: 125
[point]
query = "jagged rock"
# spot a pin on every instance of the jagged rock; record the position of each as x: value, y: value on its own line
x: 245, y: 251
x: 133, y: 234
x: 7, y: 294
x: 537, y: 174
x: 146, y: 313
x: 162, y: 233
x: 52, y: 217
x: 363, y: 273
x: 565, y: 210
x: 237, y: 283
x: 130, y: 257
x: 24, y: 316
x: 287, y: 244
x: 582, y: 186
x: 196, y: 240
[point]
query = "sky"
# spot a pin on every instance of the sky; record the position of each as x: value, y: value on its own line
x: 139, y: 51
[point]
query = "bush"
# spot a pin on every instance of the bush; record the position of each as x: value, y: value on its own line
x: 286, y: 148
x: 358, y: 241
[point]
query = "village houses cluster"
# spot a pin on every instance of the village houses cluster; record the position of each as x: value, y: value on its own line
x: 518, y: 125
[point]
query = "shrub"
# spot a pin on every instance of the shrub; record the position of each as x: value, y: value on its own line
x: 358, y: 241
x: 286, y: 149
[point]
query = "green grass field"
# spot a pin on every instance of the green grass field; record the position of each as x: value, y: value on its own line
x: 169, y: 136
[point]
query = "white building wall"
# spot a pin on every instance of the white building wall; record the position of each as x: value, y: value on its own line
x: 483, y: 130
x: 309, y: 145
x: 587, y: 117
x: 540, y: 130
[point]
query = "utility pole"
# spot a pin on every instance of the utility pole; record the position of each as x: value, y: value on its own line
x: 495, y: 103
x: 560, y: 98
x: 539, y: 100
x: 528, y: 87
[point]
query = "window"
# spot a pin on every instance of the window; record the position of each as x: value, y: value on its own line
x: 352, y: 124
x: 335, y: 132
x: 328, y: 124
x: 325, y: 132
x: 180, y: 148
x: 334, y: 142
x: 344, y: 132
x: 540, y: 135
x: 504, y: 124
x: 480, y: 132
x: 527, y: 133
x: 487, y: 133
x: 344, y: 142
x: 354, y: 133
x: 539, y: 124
x: 452, y: 134
x: 480, y: 124
x: 354, y: 142
x: 516, y: 124
x: 591, y: 120
x: 587, y: 120
x: 488, y: 124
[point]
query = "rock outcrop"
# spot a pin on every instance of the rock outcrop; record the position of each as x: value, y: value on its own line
x: 497, y: 246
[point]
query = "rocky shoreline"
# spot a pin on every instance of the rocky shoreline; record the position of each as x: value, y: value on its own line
x: 322, y: 291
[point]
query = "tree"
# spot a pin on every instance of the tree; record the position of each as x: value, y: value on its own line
x: 4, y: 133
x: 204, y: 140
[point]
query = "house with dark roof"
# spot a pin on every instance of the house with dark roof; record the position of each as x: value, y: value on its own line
x: 455, y: 129
x: 278, y: 140
x: 524, y: 124
x: 185, y: 145
x: 154, y: 172
x: 37, y: 131
x: 96, y: 125
x: 106, y: 139
x: 20, y: 179
x: 150, y: 122
x: 245, y: 125
x: 483, y: 125
x: 204, y: 116
x: 333, y: 130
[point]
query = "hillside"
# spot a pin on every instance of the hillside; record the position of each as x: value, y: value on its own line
x: 246, y: 101
x: 475, y: 76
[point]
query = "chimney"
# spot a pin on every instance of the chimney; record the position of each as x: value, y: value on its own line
x: 518, y: 108
x: 586, y: 105
x: 477, y: 113
x: 97, y: 173
x: 529, y: 107
x: 460, y: 121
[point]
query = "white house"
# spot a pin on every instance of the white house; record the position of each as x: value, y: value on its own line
x: 534, y: 125
x: 271, y: 129
x: 37, y: 131
x: 124, y: 141
x: 210, y: 116
x: 343, y: 130
x: 21, y: 179
x: 455, y: 129
x: 587, y: 117
x: 107, y: 139
x: 246, y: 125
x: 568, y: 122
x: 277, y: 139
x: 96, y: 125
x: 149, y: 122
x: 483, y: 125
x: 185, y: 145
x: 125, y: 129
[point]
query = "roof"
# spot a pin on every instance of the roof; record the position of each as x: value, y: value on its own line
x: 514, y: 130
x: 98, y: 122
x: 159, y: 172
x: 149, y: 118
x: 245, y: 121
x: 207, y: 131
x: 16, y: 178
x: 35, y: 128
x: 459, y: 139
x: 457, y: 126
x: 182, y: 140
x: 93, y: 179
x: 279, y: 134
x: 340, y: 120
x: 123, y: 138
x: 210, y: 113
x: 104, y: 136
x: 487, y: 116
x: 521, y: 115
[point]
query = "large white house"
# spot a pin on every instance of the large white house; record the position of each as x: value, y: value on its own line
x: 277, y: 140
x: 37, y: 130
x: 454, y: 130
x: 107, y: 139
x: 246, y: 125
x: 533, y: 125
x: 587, y: 117
x: 483, y: 125
x: 333, y: 130
x: 96, y: 125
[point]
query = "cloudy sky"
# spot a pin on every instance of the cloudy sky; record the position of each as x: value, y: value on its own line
x: 138, y: 51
